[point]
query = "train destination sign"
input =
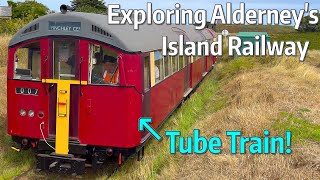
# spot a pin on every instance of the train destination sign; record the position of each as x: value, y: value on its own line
x: 65, y: 26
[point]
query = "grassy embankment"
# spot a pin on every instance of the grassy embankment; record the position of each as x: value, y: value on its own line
x: 11, y: 163
x: 249, y: 94
x: 256, y: 28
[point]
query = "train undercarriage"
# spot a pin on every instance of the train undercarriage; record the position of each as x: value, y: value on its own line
x: 79, y: 158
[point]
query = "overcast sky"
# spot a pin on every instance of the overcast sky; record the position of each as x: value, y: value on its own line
x: 193, y: 4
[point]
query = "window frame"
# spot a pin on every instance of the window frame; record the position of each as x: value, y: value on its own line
x: 143, y: 58
x: 90, y: 56
x: 13, y: 58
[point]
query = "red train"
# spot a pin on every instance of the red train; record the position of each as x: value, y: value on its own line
x: 77, y: 87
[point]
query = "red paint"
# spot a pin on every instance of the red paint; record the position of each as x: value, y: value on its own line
x: 197, y: 71
x: 108, y: 115
x: 27, y: 126
x: 165, y: 96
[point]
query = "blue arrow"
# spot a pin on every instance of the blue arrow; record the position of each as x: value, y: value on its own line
x: 144, y: 123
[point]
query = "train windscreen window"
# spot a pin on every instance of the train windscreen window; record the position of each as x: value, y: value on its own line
x: 65, y: 58
x: 103, y: 66
x: 27, y: 62
x: 146, y: 73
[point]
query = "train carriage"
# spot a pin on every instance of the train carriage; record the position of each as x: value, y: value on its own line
x: 61, y: 103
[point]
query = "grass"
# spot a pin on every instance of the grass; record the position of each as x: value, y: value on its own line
x: 301, y: 128
x: 234, y: 67
x: 255, y: 28
x: 4, y: 41
x: 11, y: 163
x: 256, y: 97
x: 313, y: 37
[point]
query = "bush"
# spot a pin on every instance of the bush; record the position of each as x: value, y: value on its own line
x: 11, y: 26
x: 305, y: 26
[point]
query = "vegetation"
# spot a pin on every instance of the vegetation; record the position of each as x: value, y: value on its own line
x: 255, y: 28
x: 4, y: 42
x: 312, y: 37
x: 305, y: 26
x: 25, y: 12
x: 22, y: 14
x: 90, y: 6
x: 27, y: 9
x: 299, y: 125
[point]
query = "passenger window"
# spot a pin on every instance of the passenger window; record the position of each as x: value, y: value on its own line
x: 146, y: 73
x: 103, y: 66
x: 27, y: 62
x: 158, y: 68
x: 166, y: 66
x: 175, y: 63
x: 186, y: 60
x: 181, y: 62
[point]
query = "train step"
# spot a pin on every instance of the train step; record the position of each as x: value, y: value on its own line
x: 186, y: 94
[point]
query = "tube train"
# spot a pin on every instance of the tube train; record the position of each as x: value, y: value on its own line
x: 77, y: 87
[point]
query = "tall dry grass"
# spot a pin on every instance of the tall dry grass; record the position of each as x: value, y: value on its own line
x: 3, y: 107
x: 256, y: 99
x: 4, y: 41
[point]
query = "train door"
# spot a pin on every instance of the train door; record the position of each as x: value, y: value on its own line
x: 146, y: 85
x: 146, y: 97
x: 64, y: 101
x: 204, y: 65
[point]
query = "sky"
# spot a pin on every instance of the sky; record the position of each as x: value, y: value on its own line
x: 192, y: 4
x: 207, y: 5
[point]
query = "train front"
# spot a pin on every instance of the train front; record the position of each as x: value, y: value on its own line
x: 63, y: 102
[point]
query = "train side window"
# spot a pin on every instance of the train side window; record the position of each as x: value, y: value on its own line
x: 159, y: 66
x: 186, y: 60
x: 181, y: 62
x: 103, y: 66
x: 27, y: 62
x: 146, y: 73
x: 166, y: 66
x: 174, y: 64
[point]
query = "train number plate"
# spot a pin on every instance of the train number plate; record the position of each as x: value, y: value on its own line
x: 27, y: 91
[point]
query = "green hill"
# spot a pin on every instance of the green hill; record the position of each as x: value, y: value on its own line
x: 255, y: 28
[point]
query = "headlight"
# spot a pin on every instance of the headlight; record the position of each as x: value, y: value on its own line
x: 22, y: 112
x: 31, y: 113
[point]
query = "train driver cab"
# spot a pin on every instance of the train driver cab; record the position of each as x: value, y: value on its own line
x: 104, y: 66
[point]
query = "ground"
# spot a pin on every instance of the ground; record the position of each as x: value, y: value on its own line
x: 248, y: 94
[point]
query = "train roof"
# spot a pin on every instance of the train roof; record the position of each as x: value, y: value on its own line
x: 96, y: 27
